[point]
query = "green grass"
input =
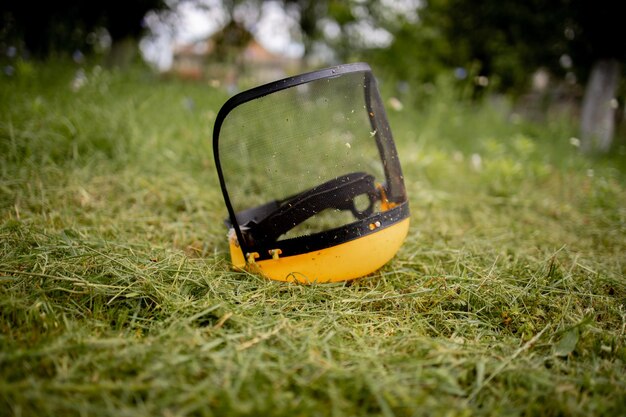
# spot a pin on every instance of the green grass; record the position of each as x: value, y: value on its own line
x: 116, y: 297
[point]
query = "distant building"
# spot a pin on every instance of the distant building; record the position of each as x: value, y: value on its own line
x: 231, y: 57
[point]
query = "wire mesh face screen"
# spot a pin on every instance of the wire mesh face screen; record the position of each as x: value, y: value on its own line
x: 311, y: 178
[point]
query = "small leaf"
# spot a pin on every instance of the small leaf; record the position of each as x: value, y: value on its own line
x: 567, y: 344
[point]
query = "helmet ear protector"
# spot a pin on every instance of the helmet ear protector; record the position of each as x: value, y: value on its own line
x: 311, y: 177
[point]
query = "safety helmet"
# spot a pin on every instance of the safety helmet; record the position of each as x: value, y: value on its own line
x: 311, y: 177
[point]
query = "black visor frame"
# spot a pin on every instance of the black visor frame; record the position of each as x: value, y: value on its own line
x: 378, y: 121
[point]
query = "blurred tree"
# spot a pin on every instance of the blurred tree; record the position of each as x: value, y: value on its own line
x: 310, y: 13
x: 505, y: 42
x: 349, y: 27
x: 315, y: 15
x: 45, y: 27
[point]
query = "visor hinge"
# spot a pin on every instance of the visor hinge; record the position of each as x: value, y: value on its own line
x: 275, y: 253
x: 251, y: 257
x: 385, y: 204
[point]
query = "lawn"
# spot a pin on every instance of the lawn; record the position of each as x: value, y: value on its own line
x: 116, y: 297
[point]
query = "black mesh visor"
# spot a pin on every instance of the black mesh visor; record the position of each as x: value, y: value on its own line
x: 308, y: 162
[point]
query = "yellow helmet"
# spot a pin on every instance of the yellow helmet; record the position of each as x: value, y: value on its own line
x: 311, y: 177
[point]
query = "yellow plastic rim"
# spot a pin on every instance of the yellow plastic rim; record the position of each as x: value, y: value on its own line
x: 343, y: 262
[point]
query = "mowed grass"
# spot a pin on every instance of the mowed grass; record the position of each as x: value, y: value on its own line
x: 116, y: 297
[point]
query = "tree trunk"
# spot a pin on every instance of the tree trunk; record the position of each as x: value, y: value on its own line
x: 598, y: 112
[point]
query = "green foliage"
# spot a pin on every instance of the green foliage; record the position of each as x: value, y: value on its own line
x: 116, y: 297
x: 416, y: 56
x: 506, y: 41
x: 45, y: 28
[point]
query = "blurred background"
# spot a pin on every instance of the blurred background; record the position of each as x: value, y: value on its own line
x: 549, y: 58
